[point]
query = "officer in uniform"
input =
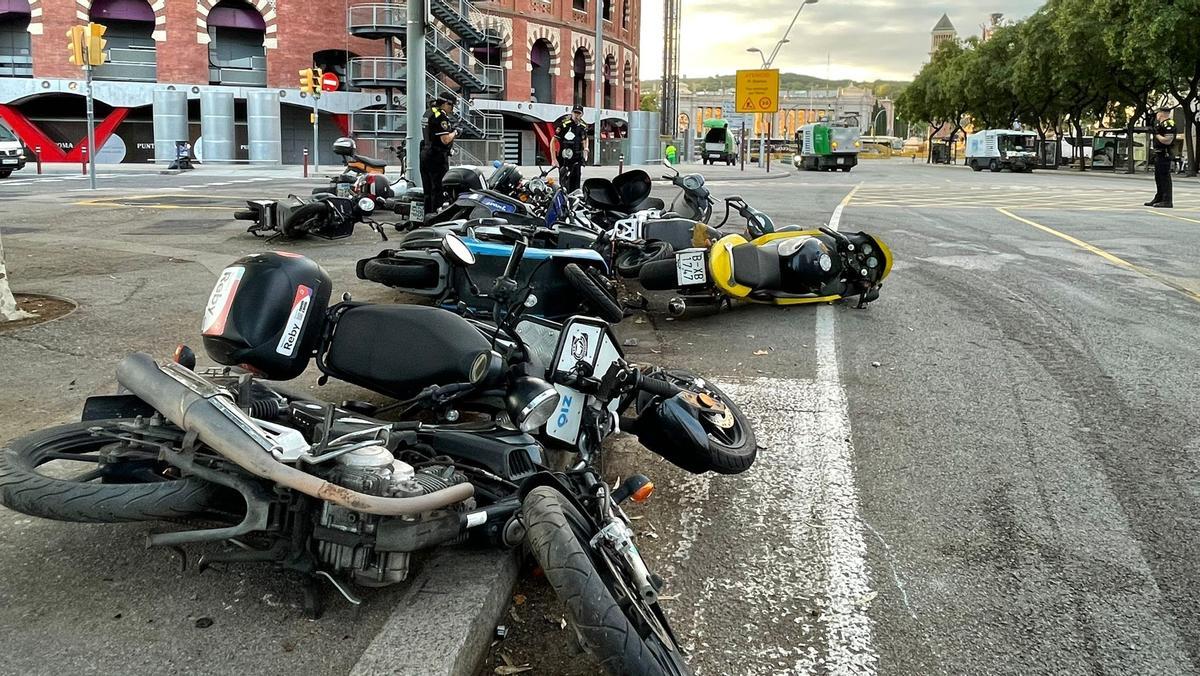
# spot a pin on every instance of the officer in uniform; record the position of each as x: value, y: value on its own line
x: 1164, y: 138
x: 435, y: 150
x: 571, y: 148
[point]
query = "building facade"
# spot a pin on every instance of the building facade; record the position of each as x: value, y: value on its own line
x: 796, y: 108
x: 223, y: 74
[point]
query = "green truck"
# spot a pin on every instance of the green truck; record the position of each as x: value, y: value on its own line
x: 718, y: 143
x: 827, y: 146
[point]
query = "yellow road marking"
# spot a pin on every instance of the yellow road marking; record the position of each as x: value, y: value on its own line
x: 1160, y: 212
x: 1115, y: 260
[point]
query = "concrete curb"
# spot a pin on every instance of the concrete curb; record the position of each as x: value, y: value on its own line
x: 445, y: 623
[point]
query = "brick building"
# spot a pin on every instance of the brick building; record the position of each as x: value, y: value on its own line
x: 223, y: 73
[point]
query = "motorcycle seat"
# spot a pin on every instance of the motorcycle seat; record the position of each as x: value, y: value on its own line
x: 371, y: 161
x: 755, y: 266
x: 398, y: 350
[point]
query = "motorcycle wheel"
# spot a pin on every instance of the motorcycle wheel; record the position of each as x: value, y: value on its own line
x: 630, y: 261
x: 245, y: 215
x: 594, y: 288
x: 398, y: 272
x: 658, y: 275
x: 305, y: 219
x: 621, y: 634
x: 732, y: 449
x: 135, y: 487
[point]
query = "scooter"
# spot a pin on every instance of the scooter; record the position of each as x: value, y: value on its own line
x: 787, y: 267
x: 437, y: 263
x: 324, y: 215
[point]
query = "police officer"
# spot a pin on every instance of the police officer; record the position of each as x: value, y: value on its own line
x: 435, y: 150
x: 1164, y: 138
x: 571, y: 148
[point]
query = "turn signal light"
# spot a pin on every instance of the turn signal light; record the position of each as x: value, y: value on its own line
x: 643, y: 494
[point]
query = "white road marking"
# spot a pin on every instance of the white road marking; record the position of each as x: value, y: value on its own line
x: 848, y: 630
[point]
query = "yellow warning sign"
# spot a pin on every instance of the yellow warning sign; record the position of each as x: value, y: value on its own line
x: 757, y: 91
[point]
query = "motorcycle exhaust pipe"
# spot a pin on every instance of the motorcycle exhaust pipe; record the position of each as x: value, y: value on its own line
x: 694, y: 306
x: 141, y: 375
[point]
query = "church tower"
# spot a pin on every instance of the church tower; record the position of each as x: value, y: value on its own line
x: 942, y: 32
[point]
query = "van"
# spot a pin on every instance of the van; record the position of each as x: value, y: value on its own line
x: 718, y: 143
x: 12, y: 152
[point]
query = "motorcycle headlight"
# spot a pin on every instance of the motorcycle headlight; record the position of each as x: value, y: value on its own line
x: 366, y: 205
x: 568, y: 153
x: 530, y: 402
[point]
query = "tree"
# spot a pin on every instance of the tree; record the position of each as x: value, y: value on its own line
x: 1083, y: 68
x: 649, y: 102
x: 1169, y: 26
x: 1032, y: 78
x: 933, y: 96
x: 9, y: 312
x: 986, y: 72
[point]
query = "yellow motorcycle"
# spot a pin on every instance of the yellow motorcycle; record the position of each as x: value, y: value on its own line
x: 789, y: 266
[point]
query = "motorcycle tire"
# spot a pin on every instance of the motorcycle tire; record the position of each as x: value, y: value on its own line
x: 557, y: 535
x: 592, y: 286
x: 305, y: 219
x: 138, y: 492
x: 403, y: 273
x: 659, y: 275
x: 630, y: 261
x: 246, y: 215
x: 730, y: 451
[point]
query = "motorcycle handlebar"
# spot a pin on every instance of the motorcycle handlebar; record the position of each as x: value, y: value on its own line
x: 514, y: 259
x: 658, y: 387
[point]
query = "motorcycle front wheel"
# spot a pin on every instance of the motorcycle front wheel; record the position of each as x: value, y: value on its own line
x: 627, y: 636
x: 594, y: 289
x: 402, y: 273
x: 69, y: 473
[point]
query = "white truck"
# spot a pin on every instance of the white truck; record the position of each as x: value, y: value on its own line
x: 1000, y: 149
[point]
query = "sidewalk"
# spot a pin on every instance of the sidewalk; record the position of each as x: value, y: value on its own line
x: 1103, y: 173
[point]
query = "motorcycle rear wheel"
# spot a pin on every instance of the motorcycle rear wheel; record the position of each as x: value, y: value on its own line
x: 630, y: 261
x: 401, y: 273
x: 305, y: 219
x: 608, y: 629
x: 593, y: 287
x: 135, y: 487
x: 659, y: 275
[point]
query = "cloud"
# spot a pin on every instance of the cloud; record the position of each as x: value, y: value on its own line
x: 856, y: 39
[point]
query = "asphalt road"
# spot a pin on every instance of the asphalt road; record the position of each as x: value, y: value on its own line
x: 990, y: 470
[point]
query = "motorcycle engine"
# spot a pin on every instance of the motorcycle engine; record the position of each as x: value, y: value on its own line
x: 345, y: 538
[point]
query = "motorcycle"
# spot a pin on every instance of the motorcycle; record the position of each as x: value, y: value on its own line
x: 328, y: 492
x: 790, y: 266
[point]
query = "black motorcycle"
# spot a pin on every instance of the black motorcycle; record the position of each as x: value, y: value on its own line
x: 324, y: 215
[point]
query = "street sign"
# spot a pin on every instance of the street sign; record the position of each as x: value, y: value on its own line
x: 729, y: 114
x: 330, y: 82
x: 757, y: 91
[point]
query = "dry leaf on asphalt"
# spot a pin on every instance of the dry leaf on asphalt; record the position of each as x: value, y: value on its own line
x: 519, y: 599
x: 759, y: 353
x: 506, y: 670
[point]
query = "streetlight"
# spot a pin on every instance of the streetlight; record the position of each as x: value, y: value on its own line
x: 784, y: 39
x: 760, y: 55
x: 875, y: 120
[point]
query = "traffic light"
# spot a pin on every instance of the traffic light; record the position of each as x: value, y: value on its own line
x: 309, y: 80
x: 75, y: 46
x: 96, y: 44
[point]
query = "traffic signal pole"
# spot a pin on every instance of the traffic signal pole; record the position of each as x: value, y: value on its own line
x: 316, y: 153
x: 91, y: 125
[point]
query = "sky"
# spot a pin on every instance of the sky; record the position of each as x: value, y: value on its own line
x: 864, y: 39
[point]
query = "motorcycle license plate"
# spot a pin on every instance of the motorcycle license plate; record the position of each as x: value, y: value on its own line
x: 689, y: 268
x: 841, y: 160
x: 416, y: 211
x: 343, y: 190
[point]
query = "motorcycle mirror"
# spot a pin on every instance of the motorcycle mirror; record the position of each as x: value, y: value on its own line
x: 457, y: 249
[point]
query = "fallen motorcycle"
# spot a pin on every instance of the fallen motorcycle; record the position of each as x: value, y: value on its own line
x: 326, y: 491
x: 785, y: 267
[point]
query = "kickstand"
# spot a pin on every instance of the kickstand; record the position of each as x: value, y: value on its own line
x: 313, y: 604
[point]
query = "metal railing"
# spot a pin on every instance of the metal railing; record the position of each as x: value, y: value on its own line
x: 377, y: 18
x: 379, y: 69
x: 238, y: 77
x: 488, y: 77
x: 387, y: 123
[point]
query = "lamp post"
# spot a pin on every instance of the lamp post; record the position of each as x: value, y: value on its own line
x: 768, y: 60
x: 875, y: 120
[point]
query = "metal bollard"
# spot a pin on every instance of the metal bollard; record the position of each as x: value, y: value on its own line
x: 621, y: 164
x: 83, y: 161
x: 306, y: 163
x: 38, y: 157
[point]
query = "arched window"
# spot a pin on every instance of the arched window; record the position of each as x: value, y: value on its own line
x: 580, y: 83
x: 541, y: 80
x: 236, y: 52
x: 610, y: 81
x: 16, y: 56
x: 630, y: 104
x: 130, y: 36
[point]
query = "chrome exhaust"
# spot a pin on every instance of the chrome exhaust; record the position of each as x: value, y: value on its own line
x: 221, y: 425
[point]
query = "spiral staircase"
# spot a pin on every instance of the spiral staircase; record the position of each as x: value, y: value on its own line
x: 450, y: 66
